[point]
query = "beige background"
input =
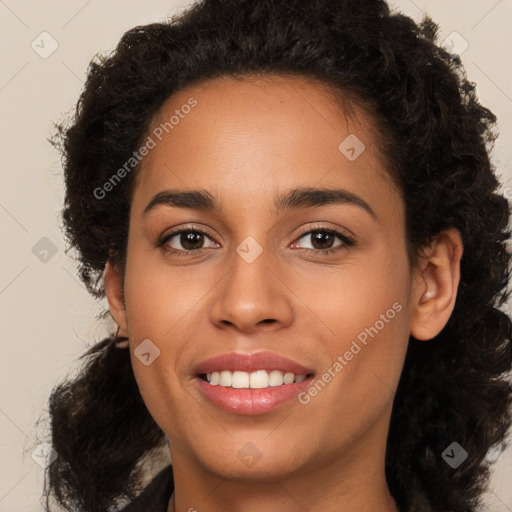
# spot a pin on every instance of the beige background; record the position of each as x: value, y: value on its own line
x: 46, y: 317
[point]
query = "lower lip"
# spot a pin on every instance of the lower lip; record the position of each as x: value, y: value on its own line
x: 252, y: 401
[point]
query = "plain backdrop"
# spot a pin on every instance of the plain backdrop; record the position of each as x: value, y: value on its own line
x: 47, y: 319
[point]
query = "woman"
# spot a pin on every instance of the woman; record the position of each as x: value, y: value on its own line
x: 291, y: 210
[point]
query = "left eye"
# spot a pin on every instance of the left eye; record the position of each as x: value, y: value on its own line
x: 323, y: 239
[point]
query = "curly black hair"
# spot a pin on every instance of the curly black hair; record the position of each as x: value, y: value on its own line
x: 436, y: 140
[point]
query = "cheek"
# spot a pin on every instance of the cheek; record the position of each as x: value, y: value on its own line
x: 360, y: 294
x: 365, y: 307
x: 164, y: 305
x: 159, y: 297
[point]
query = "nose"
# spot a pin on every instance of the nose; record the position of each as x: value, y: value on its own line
x: 252, y: 296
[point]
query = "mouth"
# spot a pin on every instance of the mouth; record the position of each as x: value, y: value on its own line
x: 253, y: 393
x: 251, y: 384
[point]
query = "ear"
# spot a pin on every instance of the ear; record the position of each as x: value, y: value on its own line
x: 436, y: 282
x: 114, y: 289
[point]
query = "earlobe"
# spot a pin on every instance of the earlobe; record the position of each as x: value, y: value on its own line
x: 114, y: 290
x: 436, y: 285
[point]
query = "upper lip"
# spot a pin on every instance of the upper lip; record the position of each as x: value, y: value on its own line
x: 250, y: 363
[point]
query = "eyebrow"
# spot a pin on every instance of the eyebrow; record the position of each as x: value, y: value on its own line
x: 305, y: 197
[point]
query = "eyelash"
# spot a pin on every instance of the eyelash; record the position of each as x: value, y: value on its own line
x: 347, y: 241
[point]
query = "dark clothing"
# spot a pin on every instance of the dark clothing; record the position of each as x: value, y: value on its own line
x: 155, y: 496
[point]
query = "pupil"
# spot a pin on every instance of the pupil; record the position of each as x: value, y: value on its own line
x: 190, y: 239
x: 324, y: 239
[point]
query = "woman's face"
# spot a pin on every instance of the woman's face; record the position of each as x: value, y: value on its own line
x: 245, y: 279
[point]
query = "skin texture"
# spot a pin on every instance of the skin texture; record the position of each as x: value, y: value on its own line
x: 246, y: 142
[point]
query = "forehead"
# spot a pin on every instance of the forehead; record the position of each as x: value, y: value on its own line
x: 259, y: 134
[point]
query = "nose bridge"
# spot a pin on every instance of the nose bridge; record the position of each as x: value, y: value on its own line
x: 251, y: 296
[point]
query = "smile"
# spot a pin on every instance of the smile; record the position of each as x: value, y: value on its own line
x: 252, y: 400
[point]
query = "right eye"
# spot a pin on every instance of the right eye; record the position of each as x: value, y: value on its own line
x: 183, y: 241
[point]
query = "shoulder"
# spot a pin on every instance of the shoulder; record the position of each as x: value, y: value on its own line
x: 156, y: 494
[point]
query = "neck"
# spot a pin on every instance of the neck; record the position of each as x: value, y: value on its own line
x: 352, y: 482
x: 275, y: 501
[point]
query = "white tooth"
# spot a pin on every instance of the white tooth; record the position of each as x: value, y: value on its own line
x: 225, y: 378
x: 288, y: 378
x: 240, y: 379
x: 259, y: 379
x: 275, y: 378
